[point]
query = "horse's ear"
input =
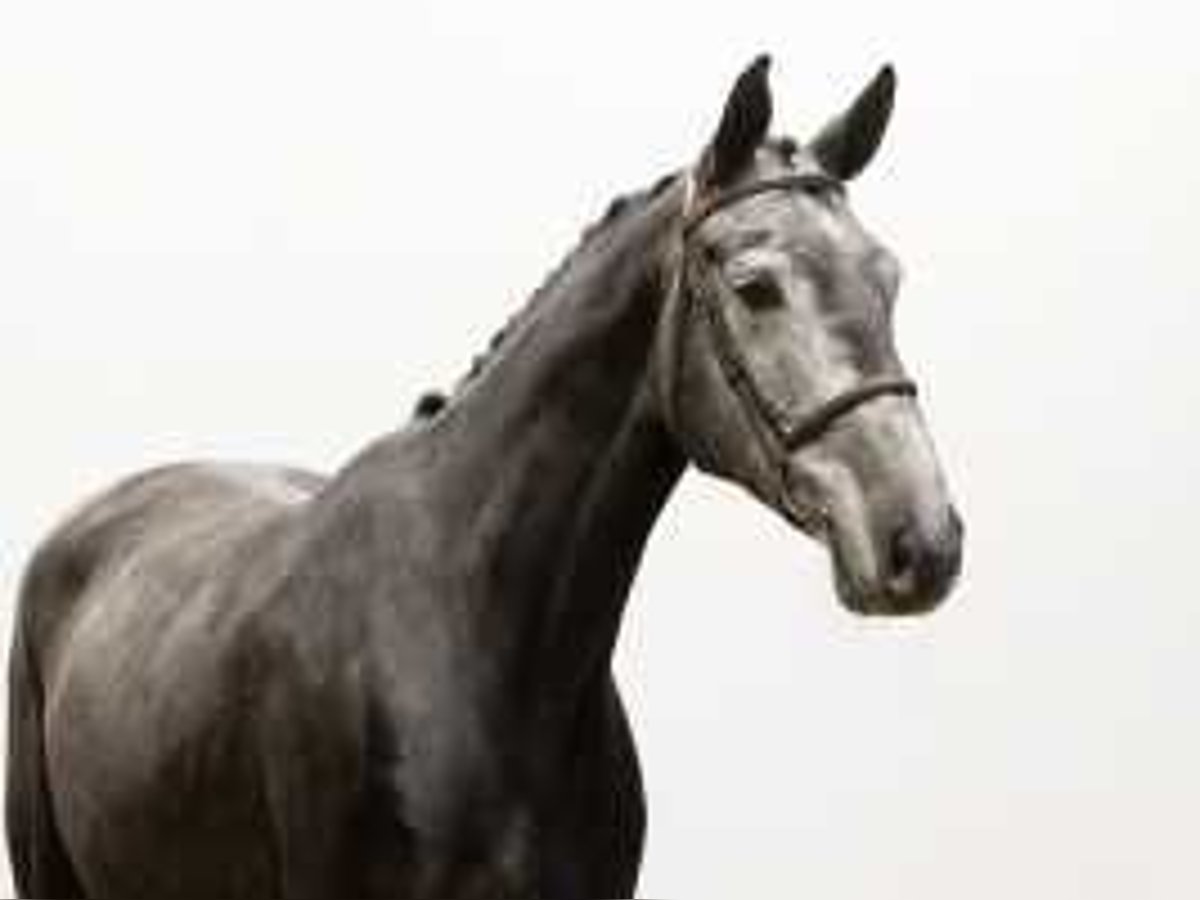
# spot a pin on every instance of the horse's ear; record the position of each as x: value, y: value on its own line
x: 847, y: 144
x: 743, y: 125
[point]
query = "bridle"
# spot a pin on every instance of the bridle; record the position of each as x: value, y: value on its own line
x: 782, y: 431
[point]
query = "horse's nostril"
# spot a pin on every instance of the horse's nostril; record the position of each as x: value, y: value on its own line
x: 902, y: 554
x: 920, y: 567
x: 956, y: 525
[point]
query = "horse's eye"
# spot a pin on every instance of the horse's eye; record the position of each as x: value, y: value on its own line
x: 760, y: 292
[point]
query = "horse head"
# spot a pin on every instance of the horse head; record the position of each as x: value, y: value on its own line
x: 776, y: 358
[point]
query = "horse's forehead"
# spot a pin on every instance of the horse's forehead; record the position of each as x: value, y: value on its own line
x: 843, y: 230
x: 765, y: 218
x: 785, y: 157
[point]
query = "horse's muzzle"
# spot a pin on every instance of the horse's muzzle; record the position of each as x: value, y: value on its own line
x: 917, y: 568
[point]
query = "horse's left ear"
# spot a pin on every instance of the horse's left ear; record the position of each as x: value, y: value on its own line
x: 743, y: 127
x: 847, y: 144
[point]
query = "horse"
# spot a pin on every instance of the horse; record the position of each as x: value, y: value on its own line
x: 241, y: 680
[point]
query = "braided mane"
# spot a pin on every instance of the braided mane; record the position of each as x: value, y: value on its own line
x: 432, y: 402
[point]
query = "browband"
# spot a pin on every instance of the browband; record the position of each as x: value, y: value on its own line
x: 812, y: 182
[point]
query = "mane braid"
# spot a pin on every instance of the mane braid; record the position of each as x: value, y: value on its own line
x: 433, y: 402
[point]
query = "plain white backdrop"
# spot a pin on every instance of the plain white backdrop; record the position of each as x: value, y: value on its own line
x: 260, y: 229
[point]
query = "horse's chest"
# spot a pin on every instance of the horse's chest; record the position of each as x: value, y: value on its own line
x: 500, y: 815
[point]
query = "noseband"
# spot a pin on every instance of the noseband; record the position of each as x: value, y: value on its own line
x: 790, y: 432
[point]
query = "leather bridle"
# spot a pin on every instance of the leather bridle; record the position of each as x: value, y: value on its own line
x: 784, y: 431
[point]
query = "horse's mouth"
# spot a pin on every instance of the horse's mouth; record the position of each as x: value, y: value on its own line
x: 854, y: 596
x: 819, y: 526
x: 857, y: 598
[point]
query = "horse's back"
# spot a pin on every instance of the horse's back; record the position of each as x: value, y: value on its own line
x: 127, y: 636
x: 164, y: 528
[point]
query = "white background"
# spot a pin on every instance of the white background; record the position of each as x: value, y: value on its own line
x: 259, y: 229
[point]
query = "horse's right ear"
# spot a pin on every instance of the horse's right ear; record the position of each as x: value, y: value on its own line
x: 743, y: 126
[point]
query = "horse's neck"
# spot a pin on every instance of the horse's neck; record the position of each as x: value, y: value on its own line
x: 565, y: 459
x: 544, y: 477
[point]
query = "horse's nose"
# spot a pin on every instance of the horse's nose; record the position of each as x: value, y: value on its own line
x: 921, y: 563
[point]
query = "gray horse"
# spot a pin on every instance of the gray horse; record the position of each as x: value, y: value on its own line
x: 247, y: 681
